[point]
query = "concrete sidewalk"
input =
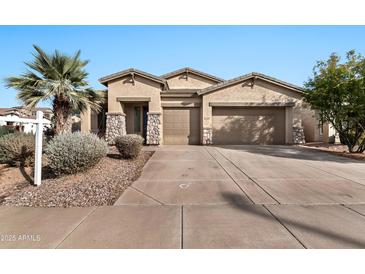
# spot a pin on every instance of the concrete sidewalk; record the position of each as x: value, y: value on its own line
x: 204, y: 226
x: 213, y: 197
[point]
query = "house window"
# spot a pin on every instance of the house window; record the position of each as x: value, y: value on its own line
x: 137, y: 119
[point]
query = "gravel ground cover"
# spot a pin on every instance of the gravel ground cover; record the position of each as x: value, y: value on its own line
x: 337, y: 149
x: 99, y: 186
x: 11, y: 180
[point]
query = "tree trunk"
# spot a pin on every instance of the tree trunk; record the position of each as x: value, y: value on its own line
x: 342, y: 140
x: 361, y: 147
x: 62, y: 117
x: 345, y: 140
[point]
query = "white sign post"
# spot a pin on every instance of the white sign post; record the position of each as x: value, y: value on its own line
x: 38, y: 149
x: 38, y: 141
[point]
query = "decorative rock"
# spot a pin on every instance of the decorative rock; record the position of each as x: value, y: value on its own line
x: 207, y: 136
x: 153, y: 129
x: 298, y: 135
x: 115, y: 126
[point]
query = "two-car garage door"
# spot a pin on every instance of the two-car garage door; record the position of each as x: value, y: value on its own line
x: 250, y: 125
x: 231, y: 125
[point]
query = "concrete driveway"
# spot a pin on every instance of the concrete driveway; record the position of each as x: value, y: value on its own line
x: 216, y: 197
x: 197, y: 175
x: 257, y: 196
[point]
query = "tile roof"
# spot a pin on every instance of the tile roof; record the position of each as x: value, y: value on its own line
x: 249, y: 76
x: 104, y: 80
x: 193, y: 71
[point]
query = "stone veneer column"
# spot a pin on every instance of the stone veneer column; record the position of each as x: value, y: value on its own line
x: 207, y: 136
x: 298, y: 135
x: 153, y: 128
x: 115, y: 126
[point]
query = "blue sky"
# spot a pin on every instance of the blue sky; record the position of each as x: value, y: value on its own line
x: 285, y: 52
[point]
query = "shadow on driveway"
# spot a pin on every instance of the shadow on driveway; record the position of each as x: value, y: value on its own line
x: 290, y: 152
x: 234, y: 200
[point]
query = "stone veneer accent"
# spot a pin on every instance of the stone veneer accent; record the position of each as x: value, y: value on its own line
x: 207, y: 136
x: 115, y: 126
x: 153, y: 128
x: 298, y: 135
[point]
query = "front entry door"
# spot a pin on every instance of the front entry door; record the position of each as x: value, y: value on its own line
x: 140, y: 121
x: 144, y: 125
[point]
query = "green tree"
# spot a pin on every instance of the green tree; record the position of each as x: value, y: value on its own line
x: 58, y: 78
x: 337, y: 91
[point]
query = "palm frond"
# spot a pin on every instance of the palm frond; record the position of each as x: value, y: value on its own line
x: 57, y: 77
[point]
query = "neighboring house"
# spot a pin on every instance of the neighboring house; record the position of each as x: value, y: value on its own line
x: 93, y: 122
x: 22, y: 112
x: 188, y: 106
x: 333, y: 136
x: 47, y: 112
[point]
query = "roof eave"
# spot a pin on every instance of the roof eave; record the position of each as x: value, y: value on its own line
x: 105, y: 80
x: 247, y: 77
x: 193, y: 71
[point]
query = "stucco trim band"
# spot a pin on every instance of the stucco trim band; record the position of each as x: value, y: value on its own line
x: 251, y: 104
x: 133, y: 99
x: 189, y: 105
x: 115, y: 113
x: 178, y: 95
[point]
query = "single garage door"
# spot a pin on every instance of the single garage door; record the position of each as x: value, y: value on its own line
x: 253, y: 125
x: 181, y: 126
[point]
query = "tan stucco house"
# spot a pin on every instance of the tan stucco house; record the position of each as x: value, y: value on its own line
x: 188, y: 106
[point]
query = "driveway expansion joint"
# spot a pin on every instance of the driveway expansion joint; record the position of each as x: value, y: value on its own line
x: 234, y: 181
x: 148, y: 196
x: 249, y: 177
x: 280, y: 222
x: 333, y: 174
x: 82, y: 220
x: 353, y: 210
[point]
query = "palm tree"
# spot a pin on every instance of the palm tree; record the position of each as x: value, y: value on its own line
x: 60, y: 78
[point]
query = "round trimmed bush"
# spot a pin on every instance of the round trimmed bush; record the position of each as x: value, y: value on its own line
x: 17, y: 149
x: 74, y: 152
x: 129, y: 146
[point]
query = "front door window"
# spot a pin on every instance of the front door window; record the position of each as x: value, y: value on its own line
x: 137, y: 120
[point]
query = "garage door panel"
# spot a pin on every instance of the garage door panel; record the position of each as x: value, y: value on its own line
x: 248, y: 126
x: 181, y: 126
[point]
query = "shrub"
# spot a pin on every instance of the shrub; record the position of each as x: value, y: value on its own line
x: 70, y: 153
x: 5, y: 130
x: 331, y: 139
x: 17, y: 149
x: 49, y: 134
x: 129, y: 146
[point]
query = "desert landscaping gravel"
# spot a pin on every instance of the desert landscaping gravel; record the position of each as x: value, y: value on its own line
x: 336, y: 149
x: 99, y: 186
